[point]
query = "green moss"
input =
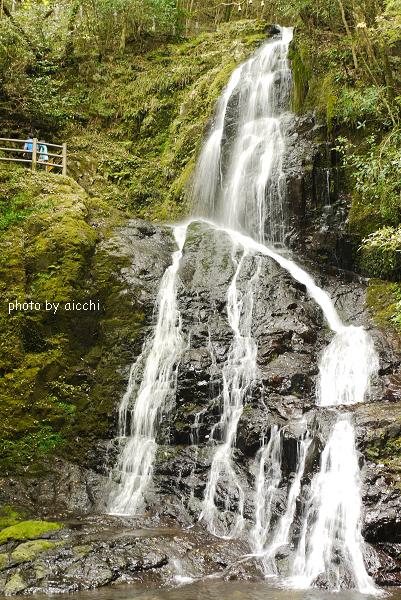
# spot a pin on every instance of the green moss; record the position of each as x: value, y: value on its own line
x: 15, y: 585
x: 82, y: 551
x: 364, y: 216
x: 387, y: 451
x: 28, y: 551
x: 50, y: 257
x: 27, y: 530
x: 4, y: 560
x: 301, y: 76
x: 384, y: 300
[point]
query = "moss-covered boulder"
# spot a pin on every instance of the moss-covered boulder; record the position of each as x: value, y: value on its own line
x: 28, y: 551
x: 27, y: 530
x: 50, y: 401
x: 15, y: 585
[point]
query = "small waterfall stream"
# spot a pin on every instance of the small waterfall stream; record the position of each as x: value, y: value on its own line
x: 149, y: 394
x: 240, y: 190
x: 238, y: 374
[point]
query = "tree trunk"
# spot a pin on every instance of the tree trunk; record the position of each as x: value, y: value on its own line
x: 349, y: 34
x: 69, y: 46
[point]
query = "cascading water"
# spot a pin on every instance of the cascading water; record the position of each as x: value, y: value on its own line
x: 331, y: 543
x: 346, y: 368
x: 146, y: 399
x: 246, y: 191
x: 267, y: 482
x: 238, y: 374
x: 265, y: 539
x: 240, y: 186
x: 239, y: 179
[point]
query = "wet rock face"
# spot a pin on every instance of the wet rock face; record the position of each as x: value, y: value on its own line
x: 290, y: 334
x: 316, y: 206
x: 378, y: 427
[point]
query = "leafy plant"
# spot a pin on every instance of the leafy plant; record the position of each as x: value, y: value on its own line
x: 381, y: 253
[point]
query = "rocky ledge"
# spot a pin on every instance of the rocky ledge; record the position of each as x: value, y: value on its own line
x: 95, y: 551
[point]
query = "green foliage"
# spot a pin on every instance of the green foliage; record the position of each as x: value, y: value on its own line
x: 360, y: 107
x: 380, y: 253
x: 17, y: 201
x: 28, y: 530
x: 374, y: 168
x: 146, y: 116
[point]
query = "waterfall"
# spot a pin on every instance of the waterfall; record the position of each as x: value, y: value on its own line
x: 149, y: 394
x: 331, y: 545
x: 240, y: 188
x: 267, y: 482
x: 267, y: 540
x: 208, y: 168
x: 327, y: 199
x: 239, y: 179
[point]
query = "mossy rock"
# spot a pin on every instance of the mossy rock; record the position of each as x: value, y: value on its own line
x: 28, y: 551
x: 28, y: 530
x: 43, y: 398
x: 9, y: 516
x: 383, y: 298
x: 15, y: 585
x: 4, y: 561
x: 82, y: 551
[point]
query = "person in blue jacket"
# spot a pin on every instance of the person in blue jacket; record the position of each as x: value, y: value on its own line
x: 43, y: 155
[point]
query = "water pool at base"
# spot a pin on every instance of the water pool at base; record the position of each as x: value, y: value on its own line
x: 214, y: 590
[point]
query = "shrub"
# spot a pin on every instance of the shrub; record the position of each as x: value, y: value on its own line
x: 380, y: 253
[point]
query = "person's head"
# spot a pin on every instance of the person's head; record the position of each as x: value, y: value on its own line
x: 42, y: 142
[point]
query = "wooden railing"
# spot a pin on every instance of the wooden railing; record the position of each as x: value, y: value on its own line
x: 55, y: 160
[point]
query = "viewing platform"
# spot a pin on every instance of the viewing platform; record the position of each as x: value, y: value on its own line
x: 16, y: 152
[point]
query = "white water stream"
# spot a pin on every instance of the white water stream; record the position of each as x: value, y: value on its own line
x: 149, y: 394
x: 238, y: 374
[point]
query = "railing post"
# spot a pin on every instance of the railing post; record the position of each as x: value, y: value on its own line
x: 64, y: 159
x: 34, y: 153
